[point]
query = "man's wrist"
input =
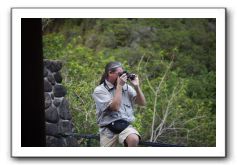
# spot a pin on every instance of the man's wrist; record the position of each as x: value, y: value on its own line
x: 119, y: 86
x: 136, y: 87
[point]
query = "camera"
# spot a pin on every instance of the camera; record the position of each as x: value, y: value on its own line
x: 130, y: 76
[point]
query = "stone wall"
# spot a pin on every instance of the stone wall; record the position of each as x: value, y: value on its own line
x: 58, y: 119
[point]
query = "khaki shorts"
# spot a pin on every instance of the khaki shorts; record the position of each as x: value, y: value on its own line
x: 109, y: 139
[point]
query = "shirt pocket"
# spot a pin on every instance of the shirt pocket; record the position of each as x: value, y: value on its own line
x: 114, y: 115
x: 128, y: 109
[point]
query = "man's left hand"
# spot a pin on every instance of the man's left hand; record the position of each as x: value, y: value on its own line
x: 135, y: 82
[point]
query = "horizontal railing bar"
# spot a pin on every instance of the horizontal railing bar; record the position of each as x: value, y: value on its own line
x: 97, y: 137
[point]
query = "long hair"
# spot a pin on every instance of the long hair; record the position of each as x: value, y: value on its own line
x: 111, y: 66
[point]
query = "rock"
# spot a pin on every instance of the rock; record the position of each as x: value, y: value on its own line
x: 45, y: 72
x: 59, y: 91
x: 47, y: 100
x: 55, y: 142
x: 52, y: 95
x: 51, y: 129
x: 47, y: 86
x: 51, y: 115
x: 57, y: 115
x: 53, y: 66
x: 64, y: 110
x: 51, y: 79
x: 72, y: 142
x: 57, y: 101
x: 64, y: 127
x: 58, y: 78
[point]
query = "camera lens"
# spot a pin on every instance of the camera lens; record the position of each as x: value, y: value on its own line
x: 131, y: 76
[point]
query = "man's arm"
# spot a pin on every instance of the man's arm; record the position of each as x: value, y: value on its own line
x: 116, y: 101
x: 140, y: 99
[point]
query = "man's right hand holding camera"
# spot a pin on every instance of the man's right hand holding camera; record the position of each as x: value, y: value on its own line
x: 122, y: 79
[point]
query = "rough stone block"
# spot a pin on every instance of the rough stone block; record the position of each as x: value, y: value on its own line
x: 51, y: 129
x: 57, y: 101
x: 47, y: 100
x: 55, y: 142
x: 47, y: 86
x: 53, y: 66
x: 64, y: 127
x: 51, y: 114
x: 59, y: 91
x: 72, y: 142
x: 57, y: 76
x: 51, y: 79
x: 64, y: 110
x: 45, y: 72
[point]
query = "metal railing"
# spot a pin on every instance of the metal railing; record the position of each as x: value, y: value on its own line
x: 90, y: 137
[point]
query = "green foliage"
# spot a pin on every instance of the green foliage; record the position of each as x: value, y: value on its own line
x: 53, y: 45
x: 175, y: 61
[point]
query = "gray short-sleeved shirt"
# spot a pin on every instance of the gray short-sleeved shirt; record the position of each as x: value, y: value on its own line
x: 103, y: 95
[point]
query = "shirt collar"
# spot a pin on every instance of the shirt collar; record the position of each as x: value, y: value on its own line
x: 109, y: 84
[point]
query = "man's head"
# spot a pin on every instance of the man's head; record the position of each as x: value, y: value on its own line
x: 112, y: 71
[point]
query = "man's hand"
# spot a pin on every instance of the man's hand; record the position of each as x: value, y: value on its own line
x: 135, y: 82
x: 122, y: 79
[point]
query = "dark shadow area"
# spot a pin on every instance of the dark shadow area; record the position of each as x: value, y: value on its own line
x: 32, y: 98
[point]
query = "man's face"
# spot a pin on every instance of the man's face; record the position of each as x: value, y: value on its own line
x: 114, y: 75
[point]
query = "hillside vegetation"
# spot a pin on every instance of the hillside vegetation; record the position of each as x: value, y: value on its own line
x: 174, y: 58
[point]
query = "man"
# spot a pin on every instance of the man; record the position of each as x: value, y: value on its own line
x: 114, y: 100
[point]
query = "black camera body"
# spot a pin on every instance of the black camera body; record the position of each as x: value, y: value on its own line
x: 130, y: 76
